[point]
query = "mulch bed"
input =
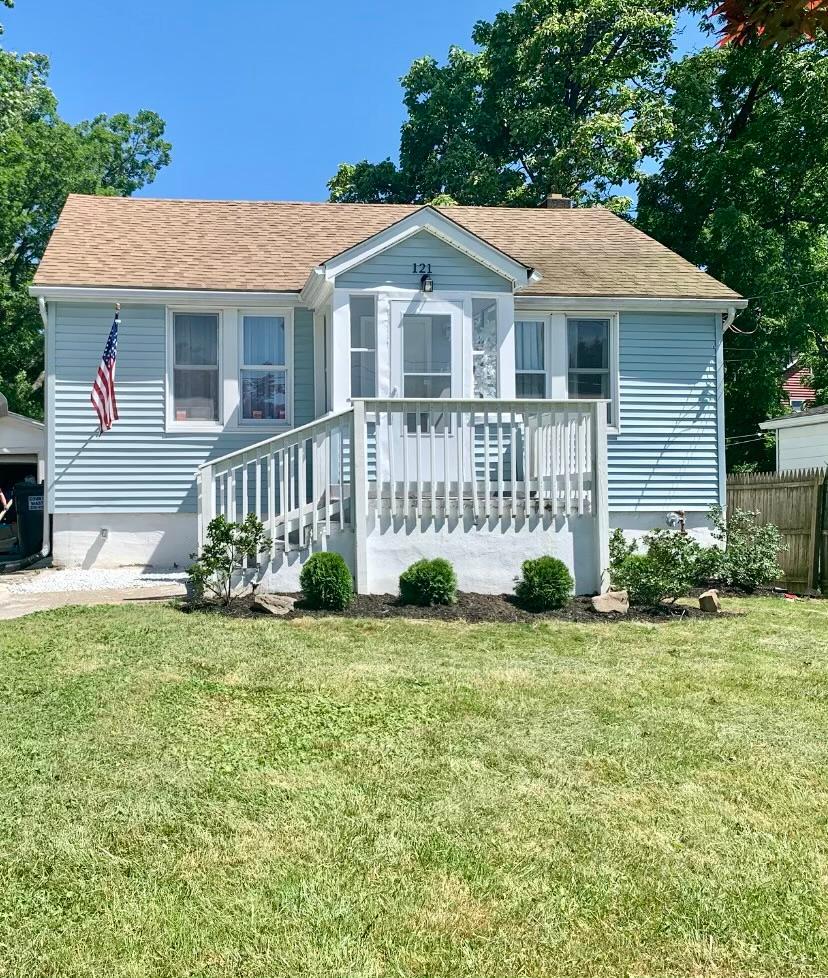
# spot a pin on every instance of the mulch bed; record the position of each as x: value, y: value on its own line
x: 469, y: 608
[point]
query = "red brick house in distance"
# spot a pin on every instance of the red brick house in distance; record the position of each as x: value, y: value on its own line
x: 797, y: 386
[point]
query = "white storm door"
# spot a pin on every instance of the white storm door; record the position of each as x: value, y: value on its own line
x: 426, y: 364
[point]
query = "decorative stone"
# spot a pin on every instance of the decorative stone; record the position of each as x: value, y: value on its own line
x: 273, y: 604
x: 709, y: 602
x: 611, y: 603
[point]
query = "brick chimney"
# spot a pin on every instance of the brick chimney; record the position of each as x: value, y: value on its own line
x: 557, y: 201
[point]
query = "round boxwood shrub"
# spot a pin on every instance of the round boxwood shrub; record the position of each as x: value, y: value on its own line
x: 545, y: 584
x: 429, y: 582
x: 326, y: 582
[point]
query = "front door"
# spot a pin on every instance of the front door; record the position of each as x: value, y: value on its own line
x: 426, y: 364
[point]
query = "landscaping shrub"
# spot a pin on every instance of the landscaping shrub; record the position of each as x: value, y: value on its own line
x: 672, y: 564
x: 545, y: 584
x: 326, y: 582
x: 429, y: 582
x: 750, y: 557
x: 229, y: 546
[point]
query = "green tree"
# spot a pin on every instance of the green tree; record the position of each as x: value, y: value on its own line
x: 562, y: 96
x: 743, y: 193
x: 42, y: 160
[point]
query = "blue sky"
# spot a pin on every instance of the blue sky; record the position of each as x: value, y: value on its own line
x: 262, y: 99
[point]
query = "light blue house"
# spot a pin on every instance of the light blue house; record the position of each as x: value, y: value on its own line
x: 485, y: 384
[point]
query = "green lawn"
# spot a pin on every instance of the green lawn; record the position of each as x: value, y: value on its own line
x: 185, y: 795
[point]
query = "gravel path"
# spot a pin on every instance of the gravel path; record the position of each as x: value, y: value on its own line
x: 55, y: 581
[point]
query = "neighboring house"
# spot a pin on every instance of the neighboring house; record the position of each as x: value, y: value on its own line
x: 22, y: 449
x: 801, y: 439
x: 486, y: 384
x: 797, y: 386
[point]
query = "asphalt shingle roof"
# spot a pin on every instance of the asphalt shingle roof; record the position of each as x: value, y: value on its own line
x: 271, y: 246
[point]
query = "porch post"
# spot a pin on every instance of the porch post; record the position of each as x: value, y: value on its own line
x: 359, y: 495
x: 600, y: 493
x: 206, y: 502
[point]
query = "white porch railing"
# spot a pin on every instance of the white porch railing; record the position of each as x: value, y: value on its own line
x: 421, y: 459
x: 294, y: 483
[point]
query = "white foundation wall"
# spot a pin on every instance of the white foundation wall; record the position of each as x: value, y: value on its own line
x: 635, y: 525
x: 486, y: 557
x: 105, y: 540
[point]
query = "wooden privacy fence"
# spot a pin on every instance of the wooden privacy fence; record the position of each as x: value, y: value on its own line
x: 797, y: 502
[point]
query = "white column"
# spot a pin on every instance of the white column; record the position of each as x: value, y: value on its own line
x: 556, y: 356
x: 230, y: 359
x: 359, y: 496
x: 339, y: 352
x: 506, y: 346
x: 600, y: 492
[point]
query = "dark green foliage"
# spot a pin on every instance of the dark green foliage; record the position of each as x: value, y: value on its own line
x: 229, y: 547
x: 750, y: 557
x: 672, y: 564
x: 747, y: 119
x: 556, y: 97
x: 42, y: 160
x: 429, y: 582
x: 326, y: 582
x: 545, y: 584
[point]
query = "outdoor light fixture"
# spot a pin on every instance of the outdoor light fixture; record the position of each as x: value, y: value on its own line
x: 426, y: 283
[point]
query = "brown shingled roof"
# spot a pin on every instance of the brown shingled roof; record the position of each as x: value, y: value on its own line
x: 272, y: 246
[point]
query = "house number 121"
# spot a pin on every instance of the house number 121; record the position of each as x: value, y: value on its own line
x: 422, y: 268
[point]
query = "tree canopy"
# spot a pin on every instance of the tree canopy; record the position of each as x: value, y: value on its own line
x: 743, y: 193
x: 42, y: 160
x: 726, y: 148
x: 562, y: 96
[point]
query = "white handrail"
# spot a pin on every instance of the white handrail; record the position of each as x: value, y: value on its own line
x: 289, y: 435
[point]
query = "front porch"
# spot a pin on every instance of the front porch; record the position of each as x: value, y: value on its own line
x: 485, y: 483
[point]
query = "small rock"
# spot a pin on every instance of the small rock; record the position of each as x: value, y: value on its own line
x: 613, y: 602
x: 709, y: 602
x: 273, y: 604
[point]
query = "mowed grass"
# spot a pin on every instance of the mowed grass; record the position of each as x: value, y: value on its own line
x: 186, y: 795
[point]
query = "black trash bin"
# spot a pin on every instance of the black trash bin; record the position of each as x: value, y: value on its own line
x: 29, y: 501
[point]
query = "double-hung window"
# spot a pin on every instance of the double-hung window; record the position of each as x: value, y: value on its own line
x: 363, y: 346
x: 484, y: 347
x: 530, y: 359
x: 589, y: 345
x: 195, y: 380
x: 263, y: 373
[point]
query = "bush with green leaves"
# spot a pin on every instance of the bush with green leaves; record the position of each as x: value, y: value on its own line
x: 545, y: 584
x: 326, y: 582
x: 429, y: 582
x: 229, y: 548
x: 668, y: 569
x: 750, y: 557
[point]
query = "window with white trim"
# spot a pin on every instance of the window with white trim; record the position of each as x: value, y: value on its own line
x: 530, y: 358
x: 195, y: 375
x: 263, y: 369
x: 363, y: 346
x: 484, y: 347
x: 589, y: 343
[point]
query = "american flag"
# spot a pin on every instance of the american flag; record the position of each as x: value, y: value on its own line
x: 103, y: 390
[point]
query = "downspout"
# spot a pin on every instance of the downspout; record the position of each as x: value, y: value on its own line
x: 727, y: 322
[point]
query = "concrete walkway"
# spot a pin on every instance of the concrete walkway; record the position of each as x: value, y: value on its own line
x: 18, y: 605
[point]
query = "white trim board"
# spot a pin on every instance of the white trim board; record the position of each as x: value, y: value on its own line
x: 794, y: 421
x: 82, y: 293
x: 560, y: 303
x: 432, y: 221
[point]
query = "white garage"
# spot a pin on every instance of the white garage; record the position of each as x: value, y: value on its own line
x: 801, y: 439
x: 22, y: 460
